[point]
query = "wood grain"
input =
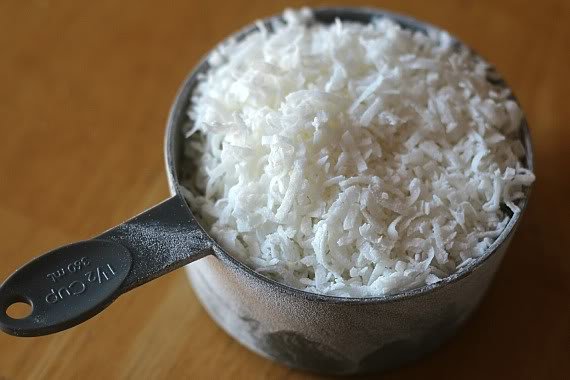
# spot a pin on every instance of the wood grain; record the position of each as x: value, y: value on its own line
x: 85, y: 88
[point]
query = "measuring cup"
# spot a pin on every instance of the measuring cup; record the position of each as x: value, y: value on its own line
x: 321, y: 333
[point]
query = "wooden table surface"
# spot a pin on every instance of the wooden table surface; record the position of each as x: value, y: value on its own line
x: 85, y: 88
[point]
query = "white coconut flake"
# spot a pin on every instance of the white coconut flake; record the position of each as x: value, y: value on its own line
x: 353, y: 160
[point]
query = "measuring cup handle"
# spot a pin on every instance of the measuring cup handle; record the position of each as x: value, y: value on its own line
x: 71, y: 284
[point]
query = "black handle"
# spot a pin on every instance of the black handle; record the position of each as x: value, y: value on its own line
x: 73, y: 283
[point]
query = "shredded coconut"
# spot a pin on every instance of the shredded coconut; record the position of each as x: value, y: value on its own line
x: 353, y: 160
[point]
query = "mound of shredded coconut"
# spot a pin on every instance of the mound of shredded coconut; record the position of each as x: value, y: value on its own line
x: 353, y: 160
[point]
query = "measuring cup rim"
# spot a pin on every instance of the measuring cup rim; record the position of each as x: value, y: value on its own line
x: 173, y: 146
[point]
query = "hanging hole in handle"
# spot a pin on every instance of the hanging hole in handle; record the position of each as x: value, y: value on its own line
x: 19, y: 309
